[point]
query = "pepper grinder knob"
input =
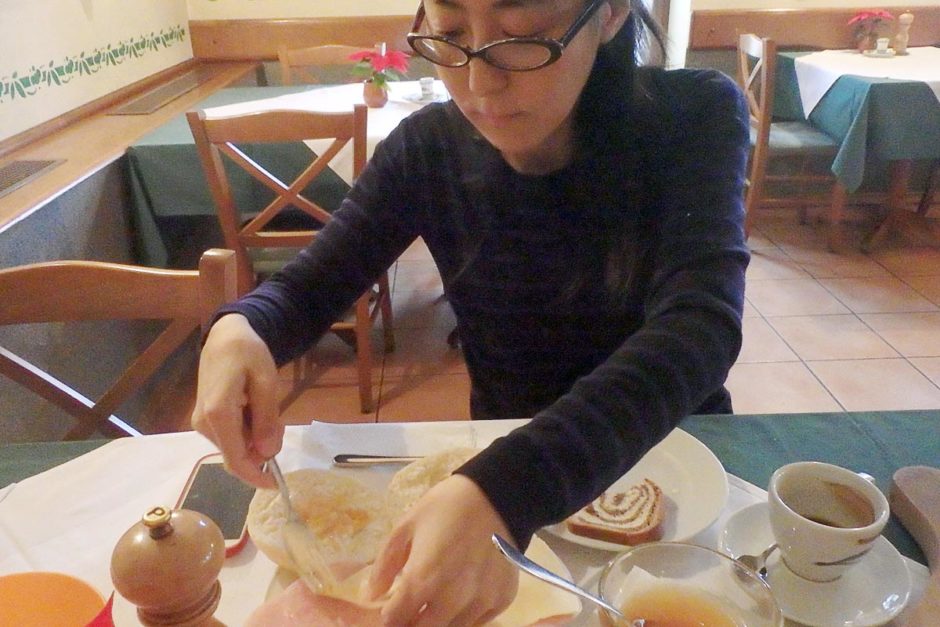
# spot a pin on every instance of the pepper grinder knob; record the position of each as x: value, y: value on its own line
x: 168, y: 565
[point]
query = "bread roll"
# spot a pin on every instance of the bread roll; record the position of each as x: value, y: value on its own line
x: 411, y: 482
x: 346, y: 515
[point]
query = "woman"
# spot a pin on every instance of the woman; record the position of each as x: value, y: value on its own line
x: 586, y: 218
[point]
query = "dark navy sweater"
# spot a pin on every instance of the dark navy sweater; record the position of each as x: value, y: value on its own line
x: 602, y: 300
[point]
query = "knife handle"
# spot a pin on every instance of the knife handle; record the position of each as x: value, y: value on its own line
x: 353, y: 459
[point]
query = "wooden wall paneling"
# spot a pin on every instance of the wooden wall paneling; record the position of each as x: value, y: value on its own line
x: 260, y: 39
x: 796, y: 28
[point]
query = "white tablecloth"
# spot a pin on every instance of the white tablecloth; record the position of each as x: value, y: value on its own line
x: 69, y: 518
x: 404, y: 98
x: 817, y: 71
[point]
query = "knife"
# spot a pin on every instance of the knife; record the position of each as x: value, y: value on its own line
x: 914, y: 497
x: 353, y: 459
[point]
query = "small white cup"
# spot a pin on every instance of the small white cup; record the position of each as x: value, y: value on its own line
x: 824, y: 518
x: 427, y: 86
x: 881, y: 45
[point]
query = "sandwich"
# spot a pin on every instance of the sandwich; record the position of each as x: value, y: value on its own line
x: 628, y: 517
x: 351, y: 521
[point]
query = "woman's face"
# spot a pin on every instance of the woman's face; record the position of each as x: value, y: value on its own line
x: 527, y: 116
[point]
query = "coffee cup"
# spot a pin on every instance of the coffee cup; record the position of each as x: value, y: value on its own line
x: 824, y: 518
x: 881, y: 45
x: 427, y: 87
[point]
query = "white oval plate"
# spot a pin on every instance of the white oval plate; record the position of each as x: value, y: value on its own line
x: 693, y: 481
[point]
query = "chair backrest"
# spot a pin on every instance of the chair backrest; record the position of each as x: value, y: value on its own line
x: 757, y: 65
x: 295, y: 62
x: 220, y: 137
x: 70, y: 291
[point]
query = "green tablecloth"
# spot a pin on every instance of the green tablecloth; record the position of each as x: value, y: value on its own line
x: 749, y: 446
x: 877, y: 120
x: 167, y: 179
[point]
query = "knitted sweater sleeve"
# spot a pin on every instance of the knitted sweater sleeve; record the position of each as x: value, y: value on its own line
x: 680, y: 356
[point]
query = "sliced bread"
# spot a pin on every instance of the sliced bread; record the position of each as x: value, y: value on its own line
x: 630, y: 517
x: 411, y: 482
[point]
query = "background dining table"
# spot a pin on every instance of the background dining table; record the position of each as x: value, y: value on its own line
x: 884, y: 112
x: 68, y: 517
x: 167, y: 180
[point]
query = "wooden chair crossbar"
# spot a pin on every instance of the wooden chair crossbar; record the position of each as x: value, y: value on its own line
x: 71, y: 291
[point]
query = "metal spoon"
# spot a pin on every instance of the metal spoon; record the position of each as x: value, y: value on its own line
x: 301, y: 543
x: 523, y: 563
x: 757, y: 563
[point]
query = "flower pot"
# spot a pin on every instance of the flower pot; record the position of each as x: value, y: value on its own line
x: 373, y: 95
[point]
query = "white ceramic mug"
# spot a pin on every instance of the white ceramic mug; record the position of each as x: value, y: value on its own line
x: 882, y: 45
x: 824, y: 518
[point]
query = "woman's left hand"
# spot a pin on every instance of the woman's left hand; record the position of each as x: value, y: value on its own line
x: 448, y: 571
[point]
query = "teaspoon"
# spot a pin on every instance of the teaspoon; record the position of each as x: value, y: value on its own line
x: 516, y: 557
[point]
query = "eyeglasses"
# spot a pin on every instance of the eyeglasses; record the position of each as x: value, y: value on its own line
x: 516, y: 54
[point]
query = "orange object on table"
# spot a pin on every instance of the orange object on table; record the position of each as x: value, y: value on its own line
x: 46, y: 599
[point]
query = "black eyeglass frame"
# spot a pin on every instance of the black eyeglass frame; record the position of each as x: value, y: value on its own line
x: 555, y: 47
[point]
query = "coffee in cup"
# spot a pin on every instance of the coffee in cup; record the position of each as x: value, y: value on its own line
x: 824, y: 518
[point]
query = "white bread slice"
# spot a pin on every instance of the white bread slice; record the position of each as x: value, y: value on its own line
x: 631, y: 517
x: 346, y: 515
x: 411, y: 482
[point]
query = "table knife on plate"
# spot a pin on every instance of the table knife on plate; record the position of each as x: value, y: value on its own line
x: 355, y: 459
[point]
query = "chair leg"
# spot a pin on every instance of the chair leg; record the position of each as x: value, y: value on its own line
x: 364, y: 354
x: 837, y: 238
x: 927, y: 199
x: 385, y: 304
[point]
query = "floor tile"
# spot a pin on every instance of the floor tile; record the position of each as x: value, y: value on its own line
x: 422, y: 352
x: 831, y: 337
x: 749, y: 311
x: 823, y: 263
x: 417, y: 398
x: 792, y: 297
x: 911, y: 334
x: 419, y: 309
x: 928, y: 286
x: 762, y: 344
x: 784, y: 387
x: 417, y: 275
x: 877, y: 384
x: 877, y: 295
x: 905, y: 262
x: 929, y: 367
x: 323, y: 402
x: 773, y: 264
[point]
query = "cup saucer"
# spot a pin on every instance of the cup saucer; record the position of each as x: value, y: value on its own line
x: 870, y: 593
x: 880, y: 54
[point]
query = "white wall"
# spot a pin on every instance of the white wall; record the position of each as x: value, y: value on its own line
x: 246, y: 9
x: 83, y: 39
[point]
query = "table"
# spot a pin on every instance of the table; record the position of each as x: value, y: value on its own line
x: 881, y: 122
x: 128, y: 476
x: 167, y: 180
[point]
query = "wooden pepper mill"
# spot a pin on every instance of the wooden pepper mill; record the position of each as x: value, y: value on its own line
x: 168, y: 565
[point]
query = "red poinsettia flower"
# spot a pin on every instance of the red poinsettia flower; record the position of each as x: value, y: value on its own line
x: 380, y: 67
x: 872, y: 16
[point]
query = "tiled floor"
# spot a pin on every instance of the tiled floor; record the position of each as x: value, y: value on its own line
x: 822, y: 332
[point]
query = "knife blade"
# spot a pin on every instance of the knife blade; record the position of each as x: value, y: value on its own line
x: 355, y: 459
x: 914, y: 497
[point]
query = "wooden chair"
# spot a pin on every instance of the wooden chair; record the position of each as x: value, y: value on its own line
x: 296, y: 63
x: 795, y: 141
x: 69, y: 291
x: 258, y: 247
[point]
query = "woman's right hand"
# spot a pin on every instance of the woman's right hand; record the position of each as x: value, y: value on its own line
x: 236, y: 398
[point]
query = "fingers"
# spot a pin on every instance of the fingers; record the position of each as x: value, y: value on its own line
x: 389, y: 562
x: 236, y: 404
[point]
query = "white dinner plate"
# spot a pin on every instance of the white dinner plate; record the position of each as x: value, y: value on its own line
x: 694, y: 485
x: 870, y: 593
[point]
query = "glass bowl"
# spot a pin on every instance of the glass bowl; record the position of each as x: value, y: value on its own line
x: 680, y: 584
